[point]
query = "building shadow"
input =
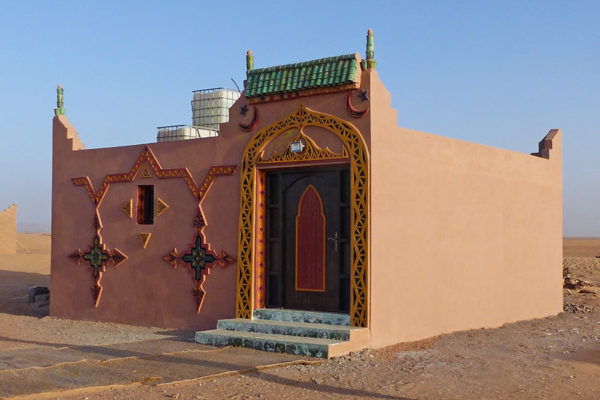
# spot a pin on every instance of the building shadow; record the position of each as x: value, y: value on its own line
x: 326, y: 390
x: 179, y: 335
x: 224, y: 364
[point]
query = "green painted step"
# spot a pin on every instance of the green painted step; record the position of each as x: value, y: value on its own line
x: 310, y: 317
x: 303, y: 346
x: 321, y: 331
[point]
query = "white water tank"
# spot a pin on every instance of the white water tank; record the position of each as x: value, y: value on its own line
x: 210, y: 107
x: 183, y: 132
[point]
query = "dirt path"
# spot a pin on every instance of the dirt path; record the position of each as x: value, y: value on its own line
x: 551, y: 358
x: 57, y: 369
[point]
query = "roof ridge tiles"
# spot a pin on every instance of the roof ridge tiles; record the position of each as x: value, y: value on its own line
x: 303, y: 63
x: 334, y: 71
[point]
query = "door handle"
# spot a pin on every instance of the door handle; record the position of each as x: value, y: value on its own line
x: 335, y: 241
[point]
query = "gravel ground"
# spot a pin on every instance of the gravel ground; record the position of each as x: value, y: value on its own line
x: 551, y: 358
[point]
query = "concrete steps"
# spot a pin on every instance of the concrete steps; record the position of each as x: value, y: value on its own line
x: 307, y: 333
x: 320, y: 331
x: 311, y: 317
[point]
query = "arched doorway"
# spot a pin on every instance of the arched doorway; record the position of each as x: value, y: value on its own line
x: 251, y: 248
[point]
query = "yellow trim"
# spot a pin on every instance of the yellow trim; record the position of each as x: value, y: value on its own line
x: 260, y: 234
x: 161, y: 206
x: 145, y: 172
x: 128, y: 208
x: 359, y: 198
x: 324, y: 241
x: 145, y: 238
x: 311, y: 152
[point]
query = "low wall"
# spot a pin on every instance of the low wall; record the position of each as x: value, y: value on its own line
x: 8, y: 230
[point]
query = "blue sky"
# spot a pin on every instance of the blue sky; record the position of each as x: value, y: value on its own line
x: 499, y: 73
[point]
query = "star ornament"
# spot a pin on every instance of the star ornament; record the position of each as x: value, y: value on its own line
x: 244, y: 110
x: 363, y: 95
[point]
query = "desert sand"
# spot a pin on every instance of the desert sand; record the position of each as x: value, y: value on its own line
x: 42, y: 357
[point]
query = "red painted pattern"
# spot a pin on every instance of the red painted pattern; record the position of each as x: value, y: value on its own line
x: 310, y: 242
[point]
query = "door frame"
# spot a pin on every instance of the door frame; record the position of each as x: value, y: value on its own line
x: 251, y: 248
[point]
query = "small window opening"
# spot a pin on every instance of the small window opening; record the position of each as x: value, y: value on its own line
x: 145, y: 205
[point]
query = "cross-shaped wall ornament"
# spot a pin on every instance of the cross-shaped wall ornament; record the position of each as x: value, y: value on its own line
x: 200, y: 259
x: 98, y: 258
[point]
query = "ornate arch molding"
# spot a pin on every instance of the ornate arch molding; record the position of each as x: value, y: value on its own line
x: 359, y: 193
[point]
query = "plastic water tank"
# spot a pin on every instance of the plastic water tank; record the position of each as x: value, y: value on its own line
x: 210, y: 107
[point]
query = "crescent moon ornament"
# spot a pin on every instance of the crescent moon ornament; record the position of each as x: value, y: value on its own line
x: 353, y: 111
x: 253, y: 123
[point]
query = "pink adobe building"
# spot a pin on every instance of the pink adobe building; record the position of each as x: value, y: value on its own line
x: 309, y: 211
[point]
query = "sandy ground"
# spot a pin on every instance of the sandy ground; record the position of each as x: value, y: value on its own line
x: 551, y: 358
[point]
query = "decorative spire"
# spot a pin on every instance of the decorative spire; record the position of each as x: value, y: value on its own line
x: 59, y: 110
x: 371, y: 63
x: 249, y: 61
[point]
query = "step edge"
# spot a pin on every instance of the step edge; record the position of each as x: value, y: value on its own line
x: 293, y: 329
x: 279, y: 313
x: 275, y: 322
x: 282, y: 338
x: 294, y: 311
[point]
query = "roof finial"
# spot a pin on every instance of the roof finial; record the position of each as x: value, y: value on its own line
x: 249, y: 61
x: 59, y: 110
x: 371, y: 63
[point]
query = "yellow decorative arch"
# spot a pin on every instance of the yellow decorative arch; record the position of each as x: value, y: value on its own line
x: 359, y: 195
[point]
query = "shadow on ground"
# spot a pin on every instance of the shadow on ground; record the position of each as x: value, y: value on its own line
x: 14, y: 293
x: 49, y: 367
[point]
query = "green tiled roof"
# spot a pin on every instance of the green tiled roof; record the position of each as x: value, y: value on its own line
x: 324, y: 72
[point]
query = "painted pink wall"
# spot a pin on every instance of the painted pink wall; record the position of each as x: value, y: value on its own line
x: 462, y: 235
x: 144, y: 289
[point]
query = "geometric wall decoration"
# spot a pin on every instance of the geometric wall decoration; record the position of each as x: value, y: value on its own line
x: 145, y: 173
x: 145, y: 237
x: 128, y: 208
x: 359, y: 199
x: 98, y: 257
x: 161, y: 206
x: 146, y: 156
x: 199, y: 257
x: 311, y: 151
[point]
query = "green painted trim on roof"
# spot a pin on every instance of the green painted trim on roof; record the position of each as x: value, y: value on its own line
x: 60, y: 107
x: 324, y: 72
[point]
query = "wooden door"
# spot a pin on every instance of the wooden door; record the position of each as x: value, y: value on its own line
x: 308, y: 244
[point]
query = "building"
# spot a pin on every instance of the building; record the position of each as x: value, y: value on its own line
x: 309, y: 198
